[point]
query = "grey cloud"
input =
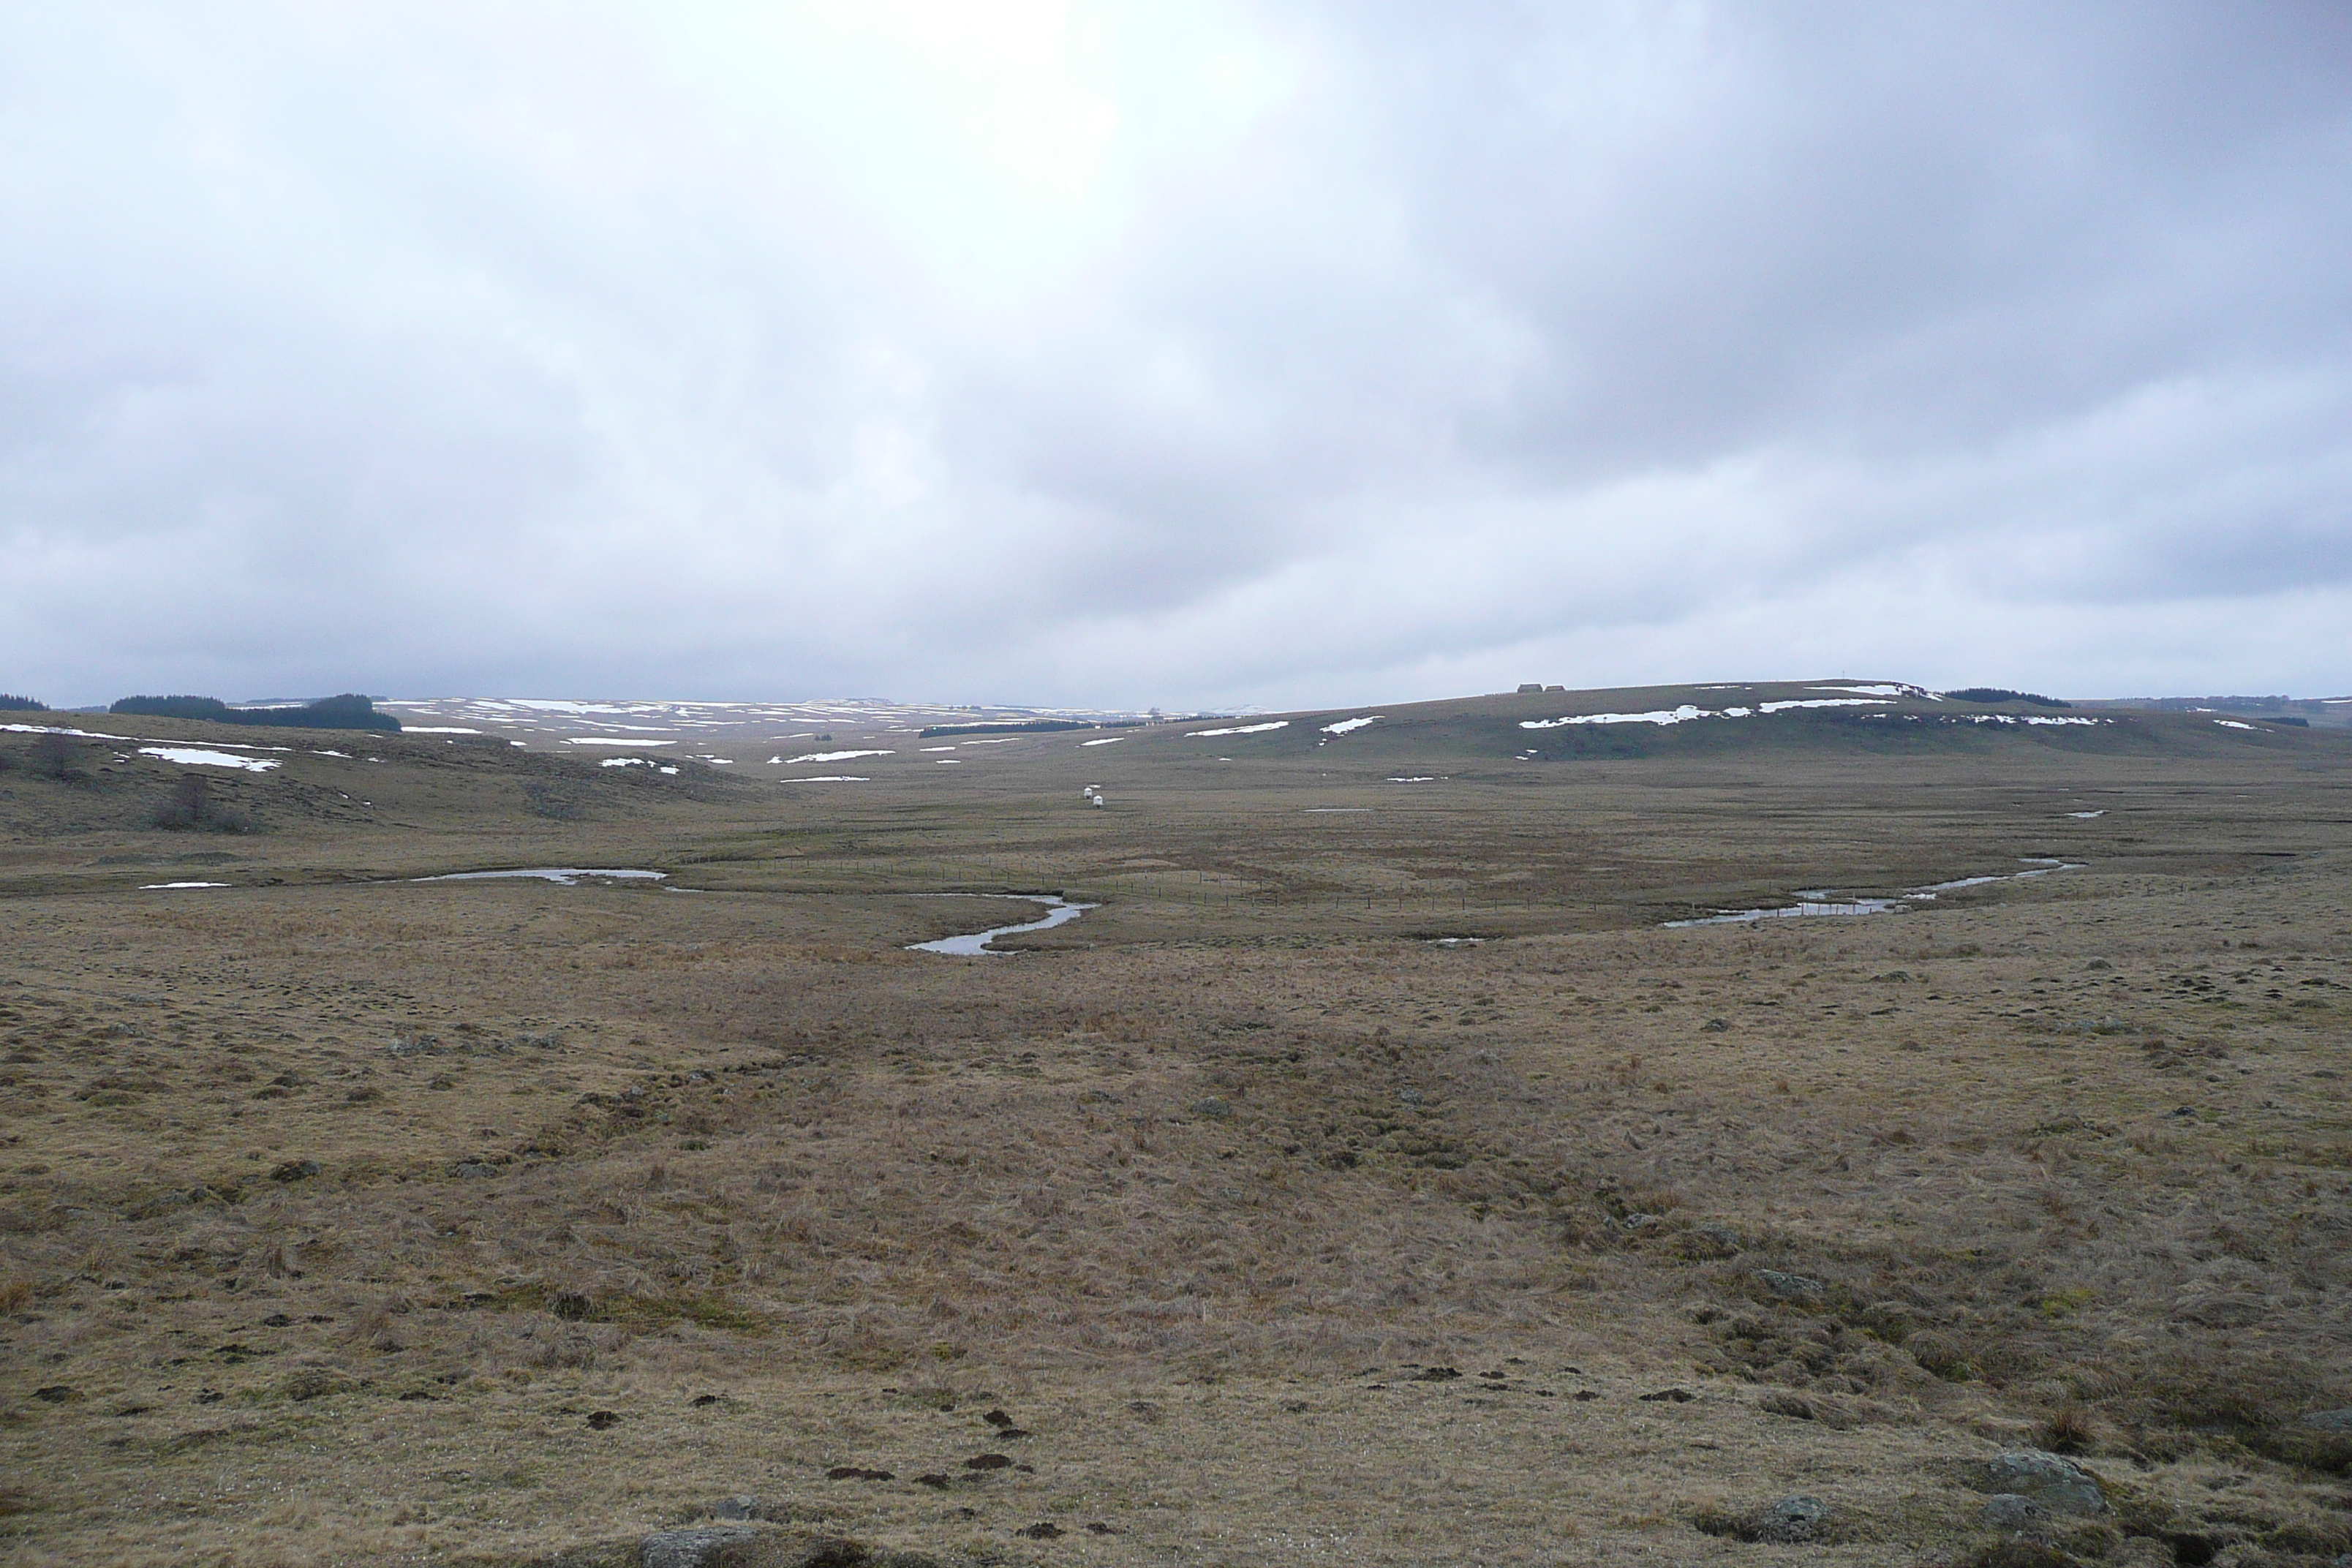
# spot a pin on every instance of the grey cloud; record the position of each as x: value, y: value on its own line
x: 561, y: 348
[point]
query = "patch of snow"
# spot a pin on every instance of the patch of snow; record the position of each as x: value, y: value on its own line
x: 345, y: 755
x: 1819, y: 702
x: 195, y: 756
x: 1346, y: 725
x: 946, y: 761
x: 1106, y: 740
x: 1416, y: 778
x: 1326, y: 810
x: 1875, y: 688
x: 151, y: 886
x: 836, y: 756
x: 1240, y: 730
x: 627, y: 763
x: 830, y: 778
x: 550, y: 705
x: 2232, y: 725
x: 436, y: 730
x: 610, y: 741
x: 1682, y: 715
x: 2086, y: 815
x: 2038, y: 719
x: 939, y: 748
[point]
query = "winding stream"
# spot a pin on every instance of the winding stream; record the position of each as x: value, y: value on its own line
x: 568, y: 876
x: 1060, y: 912
x: 1818, y: 902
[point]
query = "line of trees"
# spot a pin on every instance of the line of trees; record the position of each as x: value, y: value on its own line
x: 23, y: 704
x: 2002, y: 694
x: 348, y: 711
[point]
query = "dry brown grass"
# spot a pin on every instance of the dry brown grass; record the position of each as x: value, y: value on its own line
x: 1197, y: 1191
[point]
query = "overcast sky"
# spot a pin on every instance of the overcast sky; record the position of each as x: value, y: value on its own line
x: 1200, y: 354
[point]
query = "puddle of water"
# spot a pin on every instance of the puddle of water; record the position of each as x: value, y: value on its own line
x: 1059, y: 912
x: 568, y: 875
x: 1818, y: 902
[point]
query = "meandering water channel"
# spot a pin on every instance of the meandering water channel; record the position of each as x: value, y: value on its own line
x: 1818, y: 900
x: 1060, y: 912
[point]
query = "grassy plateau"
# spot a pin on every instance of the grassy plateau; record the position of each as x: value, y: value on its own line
x: 1373, y: 1176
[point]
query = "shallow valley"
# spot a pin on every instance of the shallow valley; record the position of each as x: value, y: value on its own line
x: 1371, y: 1176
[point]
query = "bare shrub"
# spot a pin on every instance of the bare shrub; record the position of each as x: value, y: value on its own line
x: 53, y: 758
x: 193, y: 808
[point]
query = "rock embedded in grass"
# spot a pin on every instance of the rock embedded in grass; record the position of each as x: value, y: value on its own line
x: 1788, y: 1287
x: 1792, y: 1519
x: 2055, y: 1483
x: 1788, y: 1522
x: 707, y: 1546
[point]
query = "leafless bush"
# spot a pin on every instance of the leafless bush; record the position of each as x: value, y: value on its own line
x: 53, y: 757
x: 193, y: 808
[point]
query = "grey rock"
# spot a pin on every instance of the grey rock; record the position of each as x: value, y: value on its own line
x: 746, y: 1546
x: 2330, y: 1420
x: 704, y: 1546
x: 2055, y: 1483
x: 1791, y: 1518
x: 1788, y: 1287
x: 744, y: 1507
x: 2013, y: 1510
x: 1213, y: 1109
